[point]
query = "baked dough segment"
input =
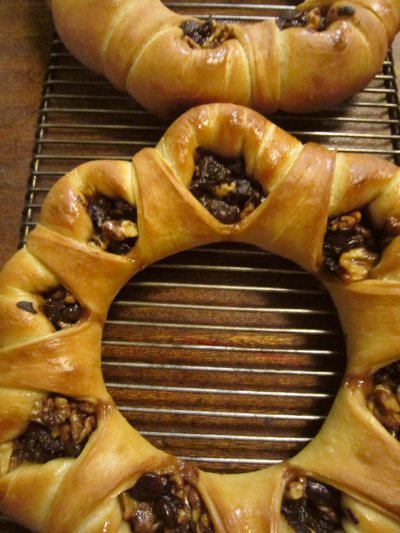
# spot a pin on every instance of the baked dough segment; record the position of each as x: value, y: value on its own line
x: 355, y: 453
x: 27, y: 493
x: 291, y: 220
x: 65, y: 256
x: 245, y: 502
x: 368, y: 312
x: 120, y: 460
x: 343, y: 56
x: 369, y: 520
x: 365, y: 180
x: 176, y: 224
x: 168, y: 74
x: 66, y: 362
x: 233, y: 131
x: 88, y: 26
x: 61, y: 240
x: 64, y: 210
x: 141, y: 22
x: 261, y: 44
x: 387, y: 11
x: 140, y: 47
x: 17, y: 408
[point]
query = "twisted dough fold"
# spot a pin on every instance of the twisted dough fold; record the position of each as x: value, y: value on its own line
x: 140, y: 47
x: 303, y: 185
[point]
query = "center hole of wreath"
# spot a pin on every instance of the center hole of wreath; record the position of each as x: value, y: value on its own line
x: 224, y: 355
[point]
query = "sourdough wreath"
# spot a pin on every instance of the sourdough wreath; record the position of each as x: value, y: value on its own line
x: 70, y: 462
x: 326, y: 52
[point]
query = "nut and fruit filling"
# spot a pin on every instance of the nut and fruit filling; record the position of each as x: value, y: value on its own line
x: 59, y: 427
x: 384, y: 399
x: 310, y: 506
x: 315, y: 19
x: 166, y: 502
x: 61, y: 308
x: 114, y: 224
x: 207, y: 34
x: 223, y: 188
x: 352, y: 246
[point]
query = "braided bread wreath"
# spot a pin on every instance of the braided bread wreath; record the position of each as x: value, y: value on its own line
x: 168, y: 62
x: 70, y: 462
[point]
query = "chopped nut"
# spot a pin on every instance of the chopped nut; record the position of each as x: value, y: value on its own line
x: 223, y: 189
x: 69, y: 298
x: 220, y: 34
x: 346, y: 222
x: 296, y: 489
x: 59, y: 427
x: 313, y: 19
x: 384, y: 400
x: 351, y: 246
x: 119, y: 230
x: 355, y: 264
x: 51, y: 411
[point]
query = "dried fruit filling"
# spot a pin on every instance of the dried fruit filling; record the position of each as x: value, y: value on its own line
x: 59, y: 427
x: 223, y: 188
x: 166, y: 502
x: 310, y: 506
x: 208, y: 34
x: 114, y: 223
x: 352, y: 246
x: 384, y: 399
x: 315, y: 19
x: 61, y: 308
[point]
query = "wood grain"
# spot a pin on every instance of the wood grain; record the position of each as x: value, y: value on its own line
x: 25, y: 34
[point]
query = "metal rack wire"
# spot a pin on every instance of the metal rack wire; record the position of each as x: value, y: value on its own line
x: 224, y: 355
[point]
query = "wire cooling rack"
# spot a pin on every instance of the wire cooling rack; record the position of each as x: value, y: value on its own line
x: 224, y: 355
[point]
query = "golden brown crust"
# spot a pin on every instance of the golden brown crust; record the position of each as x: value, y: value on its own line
x: 139, y: 46
x: 303, y: 185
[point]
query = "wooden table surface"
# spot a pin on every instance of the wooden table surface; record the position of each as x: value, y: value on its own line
x: 25, y: 35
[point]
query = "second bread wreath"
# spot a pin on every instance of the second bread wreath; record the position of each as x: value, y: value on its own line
x: 326, y: 52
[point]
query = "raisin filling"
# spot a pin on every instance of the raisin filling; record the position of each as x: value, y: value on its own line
x: 350, y: 247
x: 61, y: 308
x: 208, y: 34
x: 310, y: 506
x: 313, y: 19
x: 114, y: 223
x: 59, y: 427
x: 166, y: 501
x: 222, y: 187
x: 384, y: 400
